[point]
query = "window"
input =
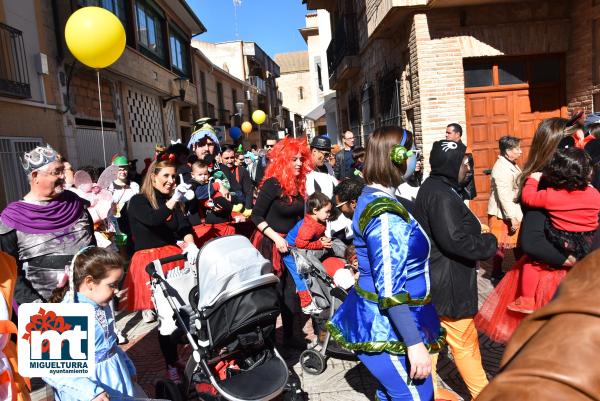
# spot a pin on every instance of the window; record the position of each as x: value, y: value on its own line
x: 300, y: 93
x: 210, y: 110
x: 523, y: 71
x: 117, y: 7
x: 234, y: 99
x: 545, y: 70
x: 150, y: 28
x: 203, y: 91
x: 220, y: 102
x: 318, y: 69
x: 478, y: 75
x: 512, y: 72
x: 389, y: 99
x: 178, y: 53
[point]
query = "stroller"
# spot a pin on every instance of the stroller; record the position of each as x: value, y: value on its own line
x: 226, y: 306
x: 328, y: 297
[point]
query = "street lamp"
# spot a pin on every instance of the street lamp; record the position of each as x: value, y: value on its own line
x: 239, y: 106
x: 183, y: 84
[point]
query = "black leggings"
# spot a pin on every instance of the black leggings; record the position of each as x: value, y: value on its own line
x: 168, y: 347
x: 288, y: 302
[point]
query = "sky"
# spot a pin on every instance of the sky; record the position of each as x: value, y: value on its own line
x: 273, y: 24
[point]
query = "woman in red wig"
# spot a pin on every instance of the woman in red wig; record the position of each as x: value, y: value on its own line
x: 279, y: 206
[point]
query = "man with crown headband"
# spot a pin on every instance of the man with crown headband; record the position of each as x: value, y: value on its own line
x: 45, y: 229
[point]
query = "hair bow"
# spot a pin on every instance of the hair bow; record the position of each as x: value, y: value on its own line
x: 166, y: 157
x: 399, y: 154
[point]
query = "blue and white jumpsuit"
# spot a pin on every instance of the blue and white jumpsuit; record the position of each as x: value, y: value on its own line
x: 391, y: 297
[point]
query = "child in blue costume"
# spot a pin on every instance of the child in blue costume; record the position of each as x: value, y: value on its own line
x: 96, y: 273
x: 388, y: 317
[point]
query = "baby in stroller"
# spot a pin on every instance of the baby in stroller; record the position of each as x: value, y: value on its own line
x: 227, y: 307
x: 307, y: 239
x: 327, y: 282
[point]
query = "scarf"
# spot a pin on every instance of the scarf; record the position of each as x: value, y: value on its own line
x: 54, y: 216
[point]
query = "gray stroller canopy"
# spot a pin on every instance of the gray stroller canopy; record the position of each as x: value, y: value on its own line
x: 228, y: 266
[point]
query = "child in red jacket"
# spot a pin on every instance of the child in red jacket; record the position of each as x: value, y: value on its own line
x: 308, y: 234
x: 572, y: 205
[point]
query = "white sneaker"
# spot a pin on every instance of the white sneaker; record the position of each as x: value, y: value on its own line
x: 148, y: 315
x: 311, y: 309
x: 121, y: 339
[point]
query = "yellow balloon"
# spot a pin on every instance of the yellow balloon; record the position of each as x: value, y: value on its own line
x: 246, y: 127
x: 95, y: 36
x: 259, y: 117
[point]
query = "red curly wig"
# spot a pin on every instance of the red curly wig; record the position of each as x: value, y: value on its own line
x: 281, y: 166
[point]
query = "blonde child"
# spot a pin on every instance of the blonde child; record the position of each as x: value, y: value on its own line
x: 94, y: 279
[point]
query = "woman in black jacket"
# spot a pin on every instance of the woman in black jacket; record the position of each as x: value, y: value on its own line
x: 157, y: 223
x: 457, y: 244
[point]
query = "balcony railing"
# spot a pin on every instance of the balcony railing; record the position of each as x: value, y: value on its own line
x: 14, y: 77
x: 259, y: 83
x: 344, y: 42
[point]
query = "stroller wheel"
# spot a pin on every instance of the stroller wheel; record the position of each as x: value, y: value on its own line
x: 167, y: 390
x: 312, y: 362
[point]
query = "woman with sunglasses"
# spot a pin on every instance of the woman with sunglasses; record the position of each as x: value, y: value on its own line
x: 388, y: 318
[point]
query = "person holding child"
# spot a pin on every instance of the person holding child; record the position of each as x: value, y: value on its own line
x: 308, y: 235
x: 93, y: 279
x: 210, y: 213
x: 573, y: 206
x: 548, y: 263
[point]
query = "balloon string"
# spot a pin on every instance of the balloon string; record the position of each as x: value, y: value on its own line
x: 101, y: 119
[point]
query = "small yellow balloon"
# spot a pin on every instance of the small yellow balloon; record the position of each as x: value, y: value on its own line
x: 246, y: 127
x: 259, y: 117
x: 95, y: 36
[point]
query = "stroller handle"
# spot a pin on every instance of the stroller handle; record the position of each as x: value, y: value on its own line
x: 151, y: 269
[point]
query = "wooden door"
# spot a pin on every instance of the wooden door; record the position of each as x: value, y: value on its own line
x: 496, y: 110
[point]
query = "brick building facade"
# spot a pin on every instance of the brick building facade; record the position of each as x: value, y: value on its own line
x: 495, y: 67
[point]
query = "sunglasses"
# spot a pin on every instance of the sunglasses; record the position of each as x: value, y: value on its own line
x: 339, y: 205
x: 269, y: 146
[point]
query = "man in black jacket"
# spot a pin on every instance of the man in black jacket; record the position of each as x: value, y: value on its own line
x: 456, y: 245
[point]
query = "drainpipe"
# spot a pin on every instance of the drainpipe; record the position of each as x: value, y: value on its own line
x: 57, y: 34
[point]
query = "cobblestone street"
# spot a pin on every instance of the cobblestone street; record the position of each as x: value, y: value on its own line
x: 341, y: 381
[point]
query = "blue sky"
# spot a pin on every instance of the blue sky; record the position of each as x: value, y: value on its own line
x: 273, y: 24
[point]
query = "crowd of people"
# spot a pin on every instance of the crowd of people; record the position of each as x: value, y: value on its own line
x: 403, y: 243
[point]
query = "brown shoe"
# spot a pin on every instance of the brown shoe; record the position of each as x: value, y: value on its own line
x: 522, y: 305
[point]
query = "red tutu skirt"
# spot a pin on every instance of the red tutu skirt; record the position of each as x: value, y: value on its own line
x: 495, y: 319
x: 137, y: 281
x: 205, y: 232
